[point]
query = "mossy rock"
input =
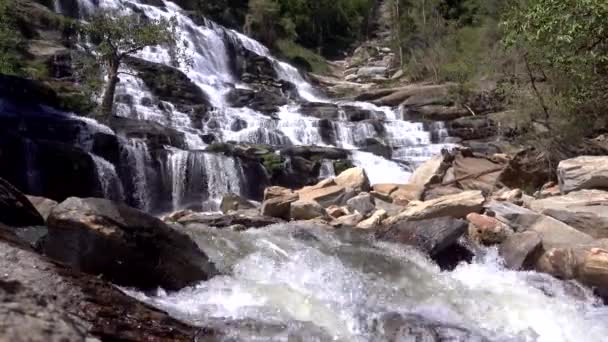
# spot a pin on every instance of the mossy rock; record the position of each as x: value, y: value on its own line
x: 342, y: 165
x: 273, y: 163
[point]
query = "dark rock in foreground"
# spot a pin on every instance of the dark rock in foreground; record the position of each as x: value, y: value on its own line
x: 125, y: 245
x: 15, y: 208
x: 42, y: 302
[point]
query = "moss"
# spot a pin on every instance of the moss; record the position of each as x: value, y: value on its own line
x: 302, y: 57
x: 219, y: 148
x: 342, y: 165
x: 273, y: 163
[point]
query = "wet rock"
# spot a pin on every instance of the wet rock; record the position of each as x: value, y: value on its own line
x: 248, y: 219
x: 263, y: 100
x: 233, y: 202
x: 155, y: 134
x: 125, y: 245
x: 362, y: 203
x: 374, y: 221
x: 43, y: 301
x: 431, y: 235
x: 15, y: 209
x: 315, y: 152
x: 397, y: 327
x: 553, y: 232
x: 377, y: 147
x: 585, y: 172
x: 354, y: 178
x: 457, y: 206
x: 306, y: 210
x: 520, y: 250
x: 487, y: 230
x: 585, y: 210
x: 278, y: 206
x: 44, y: 206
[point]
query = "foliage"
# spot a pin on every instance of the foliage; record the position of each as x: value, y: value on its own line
x: 564, y: 45
x: 328, y: 26
x: 10, y: 39
x: 342, y: 165
x: 273, y: 163
x: 114, y: 37
x: 301, y: 57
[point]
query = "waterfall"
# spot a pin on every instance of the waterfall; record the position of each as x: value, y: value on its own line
x: 111, y: 186
x: 175, y: 171
x: 139, y: 159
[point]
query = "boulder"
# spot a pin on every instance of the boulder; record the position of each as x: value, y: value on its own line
x: 248, y: 219
x: 520, y: 250
x: 347, y: 220
x: 514, y: 196
x: 483, y: 173
x: 587, y: 264
x: 548, y: 190
x: 278, y: 191
x: 327, y: 196
x: 362, y: 203
x: 354, y: 178
x: 456, y: 206
x: 233, y: 202
x: 43, y: 301
x: 306, y: 210
x: 373, y: 221
x: 391, y: 209
x: 405, y: 194
x: 43, y: 205
x: 334, y: 211
x: 553, y: 233
x: 430, y: 171
x: 487, y: 230
x: 278, y: 207
x: 372, y: 71
x: 15, y: 209
x: 385, y: 189
x: 585, y: 210
x: 585, y: 172
x: 431, y: 235
x: 439, y: 191
x: 125, y: 245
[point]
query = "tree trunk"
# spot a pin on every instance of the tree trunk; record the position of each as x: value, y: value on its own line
x: 107, y: 103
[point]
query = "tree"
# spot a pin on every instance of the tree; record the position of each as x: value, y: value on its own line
x: 115, y: 37
x: 10, y: 39
x: 566, y: 42
x: 263, y: 21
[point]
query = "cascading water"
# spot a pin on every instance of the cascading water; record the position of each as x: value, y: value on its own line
x: 345, y: 283
x: 207, y: 45
x: 111, y: 185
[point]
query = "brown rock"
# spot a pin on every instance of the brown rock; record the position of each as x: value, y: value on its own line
x: 348, y: 220
x: 354, y: 178
x: 385, y: 189
x: 373, y: 221
x: 465, y: 166
x: 514, y: 196
x: 233, y: 202
x: 440, y: 191
x: 278, y: 191
x: 405, y: 194
x: 487, y: 230
x: 306, y: 210
x: 334, y: 211
x: 584, y: 172
x: 326, y: 196
x: 278, y: 207
x: 456, y: 206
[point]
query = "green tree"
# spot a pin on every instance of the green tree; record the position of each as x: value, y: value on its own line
x: 566, y: 43
x: 115, y: 37
x: 10, y: 39
x: 263, y: 20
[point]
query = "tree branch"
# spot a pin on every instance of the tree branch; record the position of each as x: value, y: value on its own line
x: 541, y: 100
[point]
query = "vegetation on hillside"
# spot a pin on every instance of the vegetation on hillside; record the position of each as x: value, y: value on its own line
x: 550, y: 57
x: 10, y: 39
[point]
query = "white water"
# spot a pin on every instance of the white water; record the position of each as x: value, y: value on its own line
x: 111, y: 185
x: 211, y: 71
x: 139, y: 159
x: 299, y: 273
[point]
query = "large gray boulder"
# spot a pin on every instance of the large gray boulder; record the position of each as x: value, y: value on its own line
x: 585, y: 210
x: 553, y: 233
x: 585, y: 172
x: 520, y: 249
x: 125, y: 245
x: 362, y: 203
